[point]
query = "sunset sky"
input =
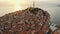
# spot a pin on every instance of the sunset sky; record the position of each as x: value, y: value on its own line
x: 14, y: 2
x: 19, y: 3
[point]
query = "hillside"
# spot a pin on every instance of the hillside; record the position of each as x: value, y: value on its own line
x: 28, y: 21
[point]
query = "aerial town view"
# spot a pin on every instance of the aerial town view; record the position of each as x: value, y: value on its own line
x: 29, y: 17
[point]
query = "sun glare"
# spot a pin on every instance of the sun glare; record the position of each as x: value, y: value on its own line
x: 17, y: 7
x: 19, y: 4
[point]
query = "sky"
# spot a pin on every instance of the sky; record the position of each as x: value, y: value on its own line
x: 27, y: 1
x: 22, y: 2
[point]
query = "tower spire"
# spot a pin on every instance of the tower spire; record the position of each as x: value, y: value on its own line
x: 33, y: 4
